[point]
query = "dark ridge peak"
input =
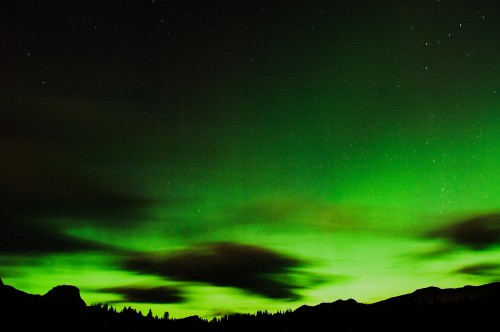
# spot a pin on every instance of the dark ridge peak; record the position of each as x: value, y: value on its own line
x: 427, y: 290
x: 63, y: 291
x: 339, y: 306
x: 1, y: 282
x: 348, y: 301
x: 66, y: 295
x: 191, y: 318
x: 304, y: 307
x: 343, y: 303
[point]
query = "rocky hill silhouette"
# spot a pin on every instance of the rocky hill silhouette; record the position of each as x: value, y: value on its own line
x: 469, y: 308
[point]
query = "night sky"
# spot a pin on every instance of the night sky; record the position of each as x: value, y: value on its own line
x: 210, y: 157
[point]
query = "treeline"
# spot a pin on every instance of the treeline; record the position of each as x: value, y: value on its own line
x: 24, y: 312
x: 462, y: 315
x: 104, y: 316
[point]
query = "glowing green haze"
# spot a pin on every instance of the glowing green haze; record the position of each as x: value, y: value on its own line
x: 239, y: 157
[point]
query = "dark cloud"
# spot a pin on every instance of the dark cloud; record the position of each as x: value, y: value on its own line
x: 481, y: 269
x: 39, y: 209
x: 251, y: 268
x: 33, y: 184
x: 108, y: 208
x: 270, y: 211
x: 434, y: 253
x: 280, y: 213
x: 162, y: 294
x: 48, y: 185
x: 28, y: 238
x: 477, y: 233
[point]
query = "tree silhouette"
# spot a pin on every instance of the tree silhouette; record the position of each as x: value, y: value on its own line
x: 149, y: 315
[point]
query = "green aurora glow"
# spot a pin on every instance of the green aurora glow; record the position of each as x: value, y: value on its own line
x: 248, y: 157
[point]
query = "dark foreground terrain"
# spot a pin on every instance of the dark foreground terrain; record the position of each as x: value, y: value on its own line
x: 470, y: 308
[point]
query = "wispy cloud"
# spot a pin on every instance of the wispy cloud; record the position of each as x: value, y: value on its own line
x: 475, y: 233
x: 481, y: 269
x: 161, y: 294
x: 285, y: 211
x: 254, y: 269
x: 45, y: 188
x: 25, y: 237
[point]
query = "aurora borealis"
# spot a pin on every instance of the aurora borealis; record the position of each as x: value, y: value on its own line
x: 209, y: 157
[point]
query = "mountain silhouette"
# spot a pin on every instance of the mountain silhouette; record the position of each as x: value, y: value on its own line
x: 437, y: 296
x: 63, y: 296
x: 339, y: 306
x: 469, y: 308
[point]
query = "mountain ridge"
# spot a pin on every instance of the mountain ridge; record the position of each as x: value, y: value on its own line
x: 465, y: 306
x: 434, y: 295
